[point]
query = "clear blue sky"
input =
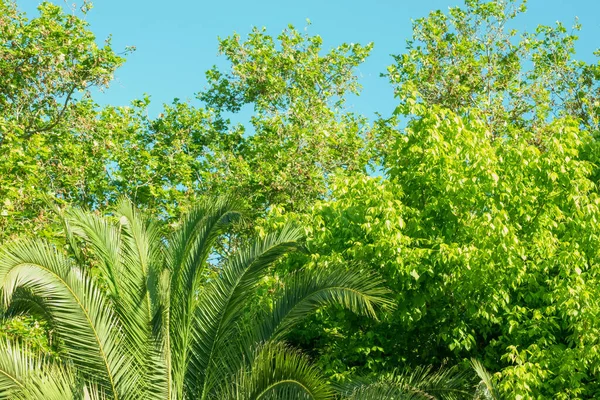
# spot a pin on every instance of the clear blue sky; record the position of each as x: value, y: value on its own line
x: 177, y: 41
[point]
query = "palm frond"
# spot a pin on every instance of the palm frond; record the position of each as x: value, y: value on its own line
x: 121, y: 272
x: 423, y: 383
x: 130, y: 253
x: 486, y: 388
x: 222, y: 303
x: 27, y: 303
x: 26, y: 376
x: 83, y: 319
x: 187, y: 253
x: 142, y: 248
x: 305, y: 291
x: 142, y: 252
x: 276, y: 372
x: 93, y: 392
x: 103, y: 238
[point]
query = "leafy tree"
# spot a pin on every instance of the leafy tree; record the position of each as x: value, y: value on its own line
x: 471, y: 62
x: 490, y: 248
x: 45, y: 63
x: 509, y: 231
x: 138, y: 314
x: 48, y: 64
x: 299, y: 132
x: 162, y: 163
x: 90, y: 155
x: 485, y: 223
x: 527, y: 96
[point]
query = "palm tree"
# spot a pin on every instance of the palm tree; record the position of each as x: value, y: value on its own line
x: 139, y: 314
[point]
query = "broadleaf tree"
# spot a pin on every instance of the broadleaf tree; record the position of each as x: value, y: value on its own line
x: 485, y: 222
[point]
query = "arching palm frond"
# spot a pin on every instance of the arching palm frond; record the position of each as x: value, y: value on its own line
x: 277, y: 372
x: 27, y: 303
x: 486, y: 389
x: 122, y: 277
x: 129, y: 249
x: 124, y: 253
x: 143, y: 257
x: 93, y: 392
x: 187, y: 254
x: 27, y: 376
x: 305, y: 291
x: 83, y: 319
x: 423, y: 383
x: 222, y: 303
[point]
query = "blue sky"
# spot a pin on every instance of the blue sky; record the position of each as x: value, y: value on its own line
x: 177, y: 41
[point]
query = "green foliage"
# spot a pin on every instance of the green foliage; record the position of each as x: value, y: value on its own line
x: 278, y: 372
x: 90, y: 155
x: 420, y: 384
x: 484, y: 223
x: 28, y: 377
x: 45, y: 62
x: 471, y: 62
x: 511, y: 232
x: 32, y: 332
x: 48, y: 64
x: 164, y: 163
x: 138, y: 314
x: 490, y: 246
x: 299, y: 132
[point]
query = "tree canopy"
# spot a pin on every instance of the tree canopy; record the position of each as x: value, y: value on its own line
x: 476, y: 202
